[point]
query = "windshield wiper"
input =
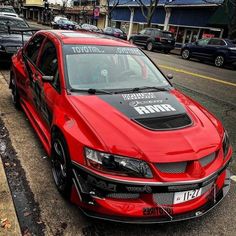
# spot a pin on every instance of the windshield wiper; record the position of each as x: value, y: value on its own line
x: 91, y: 91
x: 138, y: 89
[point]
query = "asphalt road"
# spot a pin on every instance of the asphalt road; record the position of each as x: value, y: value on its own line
x: 214, y: 88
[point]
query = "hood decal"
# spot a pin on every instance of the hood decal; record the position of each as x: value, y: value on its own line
x: 145, y: 105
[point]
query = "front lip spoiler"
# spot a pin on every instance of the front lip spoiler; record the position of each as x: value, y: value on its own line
x: 180, y: 217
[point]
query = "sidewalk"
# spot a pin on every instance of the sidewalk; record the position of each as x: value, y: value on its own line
x: 8, y: 220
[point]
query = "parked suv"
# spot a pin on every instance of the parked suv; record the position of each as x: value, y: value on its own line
x: 152, y: 38
x: 220, y: 51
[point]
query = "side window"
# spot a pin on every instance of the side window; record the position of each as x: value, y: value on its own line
x: 203, y: 42
x: 48, y: 63
x: 142, y: 32
x: 148, y: 32
x: 32, y: 49
x: 215, y: 42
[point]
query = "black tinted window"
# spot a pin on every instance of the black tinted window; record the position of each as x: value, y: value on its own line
x: 167, y: 35
x: 48, y: 60
x: 33, y: 48
x: 216, y: 42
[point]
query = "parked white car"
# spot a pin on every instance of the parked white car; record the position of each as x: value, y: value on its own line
x: 8, y: 11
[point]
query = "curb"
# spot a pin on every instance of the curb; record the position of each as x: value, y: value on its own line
x: 9, y: 224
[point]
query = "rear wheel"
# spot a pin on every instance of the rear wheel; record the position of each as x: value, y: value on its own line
x: 149, y: 46
x: 219, y: 60
x: 61, y: 165
x: 14, y: 93
x: 185, y: 54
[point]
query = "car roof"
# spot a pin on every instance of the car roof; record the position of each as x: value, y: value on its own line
x: 81, y: 37
x: 4, y: 6
x: 11, y: 17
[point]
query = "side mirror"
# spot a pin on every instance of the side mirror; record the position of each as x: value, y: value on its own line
x: 170, y: 76
x: 47, y: 78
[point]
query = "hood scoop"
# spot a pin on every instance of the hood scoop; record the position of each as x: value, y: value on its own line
x: 165, y: 123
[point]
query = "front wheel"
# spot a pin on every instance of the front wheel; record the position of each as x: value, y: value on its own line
x: 219, y: 60
x: 131, y: 41
x: 185, y: 54
x: 149, y: 46
x: 61, y: 165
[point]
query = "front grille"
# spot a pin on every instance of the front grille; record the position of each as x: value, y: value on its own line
x: 207, y: 159
x: 168, y: 198
x: 172, y: 167
x: 123, y: 195
x: 165, y: 123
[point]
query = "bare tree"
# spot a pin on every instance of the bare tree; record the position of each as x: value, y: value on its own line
x: 63, y: 6
x: 148, y: 9
x: 110, y: 7
x: 229, y: 7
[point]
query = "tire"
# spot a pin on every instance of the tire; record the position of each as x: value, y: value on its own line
x: 166, y: 51
x: 61, y: 165
x: 131, y: 41
x: 185, y: 54
x: 149, y: 46
x: 219, y: 61
x: 14, y: 93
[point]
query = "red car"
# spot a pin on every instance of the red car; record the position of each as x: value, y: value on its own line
x: 125, y: 144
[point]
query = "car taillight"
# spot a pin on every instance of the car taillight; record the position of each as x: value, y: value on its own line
x: 158, y: 39
x: 117, y: 34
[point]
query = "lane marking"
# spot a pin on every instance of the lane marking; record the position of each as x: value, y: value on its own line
x: 197, y: 75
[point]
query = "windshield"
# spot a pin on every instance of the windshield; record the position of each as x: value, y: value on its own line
x: 8, y: 10
x: 13, y: 23
x: 106, y: 67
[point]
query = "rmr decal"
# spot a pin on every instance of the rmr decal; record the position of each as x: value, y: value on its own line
x: 143, y: 110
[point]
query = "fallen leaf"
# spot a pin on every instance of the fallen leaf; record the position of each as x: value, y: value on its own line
x: 27, y: 213
x: 233, y: 177
x: 5, y: 223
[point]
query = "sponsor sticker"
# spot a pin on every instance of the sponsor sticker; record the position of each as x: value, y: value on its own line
x: 157, y: 211
x: 138, y: 96
x: 143, y: 110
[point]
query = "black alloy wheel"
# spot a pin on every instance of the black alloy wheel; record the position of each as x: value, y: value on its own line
x: 149, y: 46
x: 219, y: 60
x: 185, y: 54
x: 61, y: 165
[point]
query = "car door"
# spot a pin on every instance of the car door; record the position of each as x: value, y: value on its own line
x: 50, y: 91
x: 108, y: 31
x: 146, y: 36
x: 27, y: 68
x: 213, y: 46
x: 138, y: 38
x: 198, y: 49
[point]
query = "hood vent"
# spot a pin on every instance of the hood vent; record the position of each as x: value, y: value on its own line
x: 165, y: 123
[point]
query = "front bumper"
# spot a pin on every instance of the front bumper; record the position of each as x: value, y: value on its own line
x: 92, y: 193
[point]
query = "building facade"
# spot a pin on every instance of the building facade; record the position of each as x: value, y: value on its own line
x: 189, y: 20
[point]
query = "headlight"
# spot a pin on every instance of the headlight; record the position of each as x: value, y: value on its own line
x: 117, y: 165
x: 226, y: 144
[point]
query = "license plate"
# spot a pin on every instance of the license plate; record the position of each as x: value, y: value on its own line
x: 187, y: 195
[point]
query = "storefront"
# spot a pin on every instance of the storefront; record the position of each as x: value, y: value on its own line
x: 188, y: 20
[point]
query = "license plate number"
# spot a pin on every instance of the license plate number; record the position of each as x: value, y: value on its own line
x: 180, y: 197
